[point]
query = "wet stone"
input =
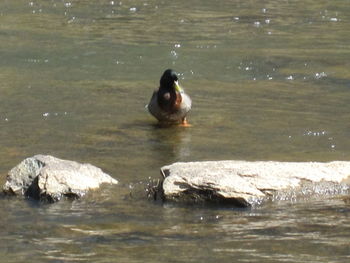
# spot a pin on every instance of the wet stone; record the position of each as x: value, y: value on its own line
x: 243, y: 183
x: 45, y: 177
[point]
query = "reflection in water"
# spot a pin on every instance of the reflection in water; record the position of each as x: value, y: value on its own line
x: 171, y: 141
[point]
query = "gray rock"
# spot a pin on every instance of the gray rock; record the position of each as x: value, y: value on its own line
x: 244, y: 183
x: 46, y: 177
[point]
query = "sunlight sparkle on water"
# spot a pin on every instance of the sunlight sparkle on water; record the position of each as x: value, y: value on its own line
x: 320, y: 75
x: 257, y: 24
x: 315, y: 133
x: 174, y: 54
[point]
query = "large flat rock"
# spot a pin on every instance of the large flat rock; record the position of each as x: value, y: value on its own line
x: 46, y: 177
x: 243, y: 183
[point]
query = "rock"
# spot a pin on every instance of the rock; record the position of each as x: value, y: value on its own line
x: 244, y: 183
x: 45, y: 177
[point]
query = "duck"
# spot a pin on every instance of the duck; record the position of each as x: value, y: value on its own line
x: 169, y: 103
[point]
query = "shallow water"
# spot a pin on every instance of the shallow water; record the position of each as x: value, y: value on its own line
x: 269, y: 81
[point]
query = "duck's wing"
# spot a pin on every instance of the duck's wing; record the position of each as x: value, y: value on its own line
x: 152, y: 101
x: 154, y: 108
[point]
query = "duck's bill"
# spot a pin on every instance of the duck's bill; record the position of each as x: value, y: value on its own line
x: 177, y: 86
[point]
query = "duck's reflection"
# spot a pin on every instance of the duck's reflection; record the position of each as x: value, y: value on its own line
x: 171, y: 143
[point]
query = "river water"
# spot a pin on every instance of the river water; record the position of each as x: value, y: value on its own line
x: 269, y: 80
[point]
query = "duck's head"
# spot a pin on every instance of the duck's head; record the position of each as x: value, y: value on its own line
x: 169, y: 81
x: 169, y: 94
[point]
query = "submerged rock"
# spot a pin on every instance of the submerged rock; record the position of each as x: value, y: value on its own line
x: 45, y: 177
x: 244, y: 183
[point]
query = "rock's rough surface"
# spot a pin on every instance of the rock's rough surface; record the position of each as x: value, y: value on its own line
x: 46, y: 177
x: 243, y: 182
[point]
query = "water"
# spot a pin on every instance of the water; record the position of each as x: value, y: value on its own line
x: 269, y: 81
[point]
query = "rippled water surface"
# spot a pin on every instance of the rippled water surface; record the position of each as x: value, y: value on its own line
x: 269, y: 80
